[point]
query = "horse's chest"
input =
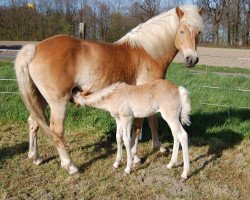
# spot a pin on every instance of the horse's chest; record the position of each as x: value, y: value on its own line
x: 148, y: 73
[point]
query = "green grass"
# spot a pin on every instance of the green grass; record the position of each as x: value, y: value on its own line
x: 219, y: 147
x: 207, y: 117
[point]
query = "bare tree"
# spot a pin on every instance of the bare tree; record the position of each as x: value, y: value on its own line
x: 215, y: 10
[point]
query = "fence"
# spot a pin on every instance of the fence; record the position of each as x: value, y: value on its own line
x: 202, y: 103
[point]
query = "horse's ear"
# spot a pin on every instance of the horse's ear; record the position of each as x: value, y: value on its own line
x: 201, y: 11
x: 179, y: 12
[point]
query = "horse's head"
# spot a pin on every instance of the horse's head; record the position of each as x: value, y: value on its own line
x: 186, y: 39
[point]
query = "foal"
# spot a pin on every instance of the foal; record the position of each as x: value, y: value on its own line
x: 125, y: 102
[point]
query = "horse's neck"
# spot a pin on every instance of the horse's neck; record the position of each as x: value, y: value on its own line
x: 153, y: 69
x: 166, y: 59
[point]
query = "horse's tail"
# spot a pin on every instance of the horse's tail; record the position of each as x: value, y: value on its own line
x: 185, y: 106
x: 28, y: 90
x: 94, y: 98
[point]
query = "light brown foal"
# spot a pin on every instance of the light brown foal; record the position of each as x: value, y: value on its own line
x: 125, y: 102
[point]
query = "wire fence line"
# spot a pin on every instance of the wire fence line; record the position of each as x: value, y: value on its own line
x: 215, y: 87
x: 9, y: 93
x: 203, y: 103
x: 7, y: 79
x: 225, y: 106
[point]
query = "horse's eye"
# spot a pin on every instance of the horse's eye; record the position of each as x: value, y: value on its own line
x: 199, y: 32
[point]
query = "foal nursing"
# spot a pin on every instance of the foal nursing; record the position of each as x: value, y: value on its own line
x: 126, y: 102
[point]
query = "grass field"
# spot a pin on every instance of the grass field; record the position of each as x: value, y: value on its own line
x: 219, y: 139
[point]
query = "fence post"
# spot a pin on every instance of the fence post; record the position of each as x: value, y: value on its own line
x: 82, y: 30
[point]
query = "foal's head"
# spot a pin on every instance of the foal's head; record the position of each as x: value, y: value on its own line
x: 186, y: 39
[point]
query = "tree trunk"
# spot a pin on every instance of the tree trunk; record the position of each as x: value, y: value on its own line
x: 216, y: 33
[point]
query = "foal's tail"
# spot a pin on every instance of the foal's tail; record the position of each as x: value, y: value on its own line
x: 185, y: 106
x: 29, y: 92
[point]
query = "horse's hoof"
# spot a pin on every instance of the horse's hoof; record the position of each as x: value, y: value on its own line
x: 116, y: 165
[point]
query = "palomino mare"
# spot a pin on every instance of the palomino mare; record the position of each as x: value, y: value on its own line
x: 144, y: 100
x: 48, y: 72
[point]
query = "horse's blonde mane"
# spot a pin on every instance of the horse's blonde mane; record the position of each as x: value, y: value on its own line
x: 157, y: 34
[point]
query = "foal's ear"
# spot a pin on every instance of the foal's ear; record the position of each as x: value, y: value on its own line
x: 201, y: 11
x: 179, y: 12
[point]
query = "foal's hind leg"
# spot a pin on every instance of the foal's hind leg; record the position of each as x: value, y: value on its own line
x: 179, y: 135
x: 33, y: 151
x: 56, y: 124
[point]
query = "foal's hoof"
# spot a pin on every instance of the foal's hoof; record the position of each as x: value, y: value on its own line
x: 183, y: 178
x: 38, y: 161
x: 170, y: 165
x: 127, y: 171
x: 116, y: 165
x: 136, y: 159
x: 73, y: 170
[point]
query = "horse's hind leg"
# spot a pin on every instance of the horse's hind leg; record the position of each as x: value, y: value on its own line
x: 56, y: 124
x: 33, y: 129
x: 33, y: 150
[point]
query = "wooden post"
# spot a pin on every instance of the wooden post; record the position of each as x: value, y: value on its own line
x: 82, y: 30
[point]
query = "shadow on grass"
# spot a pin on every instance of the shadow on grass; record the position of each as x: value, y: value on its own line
x: 11, y: 151
x: 106, y: 143
x: 199, y: 135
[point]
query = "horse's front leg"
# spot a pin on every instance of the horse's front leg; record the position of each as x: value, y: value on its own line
x: 153, y: 123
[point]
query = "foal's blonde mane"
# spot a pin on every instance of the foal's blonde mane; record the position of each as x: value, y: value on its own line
x: 157, y: 34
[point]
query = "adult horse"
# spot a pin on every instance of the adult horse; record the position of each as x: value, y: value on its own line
x: 48, y: 72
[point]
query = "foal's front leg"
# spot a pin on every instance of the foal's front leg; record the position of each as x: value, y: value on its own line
x: 119, y: 143
x: 126, y: 128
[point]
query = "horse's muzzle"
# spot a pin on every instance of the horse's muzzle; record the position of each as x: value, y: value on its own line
x: 190, y: 61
